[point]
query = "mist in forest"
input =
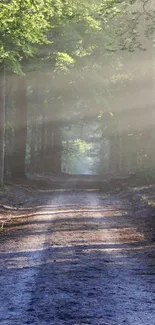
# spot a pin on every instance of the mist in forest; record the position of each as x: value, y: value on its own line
x: 85, y: 104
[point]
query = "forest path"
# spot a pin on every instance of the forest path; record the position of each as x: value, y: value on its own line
x: 84, y: 260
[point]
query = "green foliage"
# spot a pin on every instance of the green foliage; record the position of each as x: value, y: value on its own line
x: 23, y: 25
x: 70, y: 29
x: 63, y: 61
x: 77, y: 147
x: 26, y: 25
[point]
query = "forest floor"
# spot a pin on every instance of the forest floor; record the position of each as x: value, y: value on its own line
x: 75, y: 257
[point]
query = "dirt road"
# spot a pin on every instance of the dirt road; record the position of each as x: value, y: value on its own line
x: 84, y: 260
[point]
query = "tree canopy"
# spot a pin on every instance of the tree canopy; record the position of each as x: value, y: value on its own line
x: 69, y: 29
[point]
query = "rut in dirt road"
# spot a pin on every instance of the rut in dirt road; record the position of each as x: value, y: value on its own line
x: 83, y: 262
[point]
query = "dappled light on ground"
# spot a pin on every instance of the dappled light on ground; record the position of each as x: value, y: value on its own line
x: 74, y: 260
x: 90, y: 229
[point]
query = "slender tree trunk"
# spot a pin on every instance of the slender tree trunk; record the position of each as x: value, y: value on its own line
x: 8, y: 152
x: 8, y: 125
x: 32, y: 148
x: 114, y: 164
x: 53, y: 151
x: 37, y: 145
x: 57, y: 149
x: 48, y: 158
x: 20, y: 138
x: 43, y: 143
x: 2, y: 123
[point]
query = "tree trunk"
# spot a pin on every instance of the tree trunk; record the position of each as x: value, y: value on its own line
x: 2, y: 123
x: 43, y: 143
x: 57, y: 150
x: 8, y: 152
x: 32, y: 148
x: 52, y: 161
x: 20, y: 137
x: 114, y: 163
